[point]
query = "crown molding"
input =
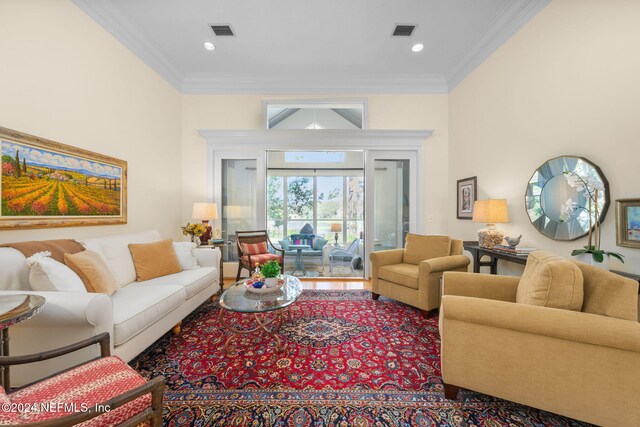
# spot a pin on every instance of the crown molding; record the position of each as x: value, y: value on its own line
x: 329, y: 138
x: 509, y: 20
x: 113, y: 19
x: 203, y: 83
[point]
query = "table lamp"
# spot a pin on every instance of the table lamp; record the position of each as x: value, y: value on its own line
x: 205, y: 212
x: 490, y: 211
x: 336, y: 228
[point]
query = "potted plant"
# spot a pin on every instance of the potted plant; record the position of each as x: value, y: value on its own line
x: 592, y: 253
x: 270, y: 270
x: 195, y: 231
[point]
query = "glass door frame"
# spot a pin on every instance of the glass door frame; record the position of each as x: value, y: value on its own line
x: 254, y: 144
x: 415, y: 194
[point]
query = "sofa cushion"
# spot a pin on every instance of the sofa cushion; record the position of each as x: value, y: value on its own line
x: 93, y: 271
x: 84, y: 386
x: 402, y: 274
x: 609, y: 294
x: 139, y: 305
x: 185, y: 254
x: 155, y: 259
x: 47, y: 274
x: 115, y: 251
x: 192, y: 280
x: 261, y: 258
x: 550, y: 281
x: 319, y: 243
x: 284, y: 243
x: 418, y: 248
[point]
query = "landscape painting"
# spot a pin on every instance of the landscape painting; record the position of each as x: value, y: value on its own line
x: 48, y: 184
x: 628, y: 223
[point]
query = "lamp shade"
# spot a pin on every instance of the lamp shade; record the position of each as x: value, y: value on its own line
x: 204, y: 211
x: 490, y: 211
x: 336, y: 227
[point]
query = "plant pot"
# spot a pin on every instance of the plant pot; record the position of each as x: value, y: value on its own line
x: 588, y: 259
x: 271, y: 282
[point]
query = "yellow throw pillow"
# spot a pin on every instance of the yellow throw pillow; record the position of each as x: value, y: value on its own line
x: 551, y: 281
x: 93, y: 271
x: 155, y: 259
x: 418, y: 248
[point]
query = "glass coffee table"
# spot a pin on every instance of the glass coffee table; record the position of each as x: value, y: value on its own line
x: 267, y: 309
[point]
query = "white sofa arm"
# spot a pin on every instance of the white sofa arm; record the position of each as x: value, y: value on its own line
x: 66, y: 317
x: 208, y: 257
x: 71, y: 309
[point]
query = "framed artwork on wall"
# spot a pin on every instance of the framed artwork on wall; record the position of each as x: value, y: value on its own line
x: 49, y: 184
x: 628, y: 223
x: 467, y: 195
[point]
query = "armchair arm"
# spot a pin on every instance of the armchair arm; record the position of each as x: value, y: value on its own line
x: 451, y: 262
x: 549, y: 322
x: 382, y: 258
x: 487, y: 286
x: 102, y: 339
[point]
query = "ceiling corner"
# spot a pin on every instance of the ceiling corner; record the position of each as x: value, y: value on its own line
x: 508, y: 22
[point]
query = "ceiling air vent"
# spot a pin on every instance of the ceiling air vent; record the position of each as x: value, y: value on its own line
x: 403, y: 30
x: 222, y: 30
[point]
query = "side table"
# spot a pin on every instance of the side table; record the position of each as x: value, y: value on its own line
x: 220, y: 245
x: 478, y: 252
x: 14, y: 309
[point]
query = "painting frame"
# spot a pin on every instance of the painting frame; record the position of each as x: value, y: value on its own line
x: 624, y: 217
x: 113, y: 178
x: 466, y: 195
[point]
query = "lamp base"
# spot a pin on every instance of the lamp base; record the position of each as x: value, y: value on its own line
x: 489, y: 237
x: 204, y: 239
x: 336, y: 243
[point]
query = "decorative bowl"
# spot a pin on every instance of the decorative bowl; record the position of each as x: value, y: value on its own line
x: 248, y: 284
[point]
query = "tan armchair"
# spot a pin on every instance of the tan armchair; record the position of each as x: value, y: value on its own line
x: 412, y: 275
x: 581, y: 362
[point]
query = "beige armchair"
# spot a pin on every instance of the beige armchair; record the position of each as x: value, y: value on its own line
x: 412, y: 275
x: 581, y: 361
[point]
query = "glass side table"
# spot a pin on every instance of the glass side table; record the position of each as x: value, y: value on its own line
x: 14, y: 309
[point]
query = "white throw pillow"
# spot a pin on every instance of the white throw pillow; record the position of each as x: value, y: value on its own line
x: 47, y: 274
x: 186, y: 257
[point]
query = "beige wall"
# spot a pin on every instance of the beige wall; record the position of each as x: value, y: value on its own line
x: 63, y: 77
x: 385, y: 112
x: 567, y: 83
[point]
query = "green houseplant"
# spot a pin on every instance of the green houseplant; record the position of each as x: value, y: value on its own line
x: 270, y: 271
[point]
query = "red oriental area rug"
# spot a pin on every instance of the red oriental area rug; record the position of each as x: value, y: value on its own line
x: 348, y: 361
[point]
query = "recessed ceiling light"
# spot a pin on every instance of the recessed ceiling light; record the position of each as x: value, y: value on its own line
x: 417, y: 47
x: 209, y: 46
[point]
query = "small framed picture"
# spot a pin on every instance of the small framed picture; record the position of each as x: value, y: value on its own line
x: 628, y: 223
x: 467, y: 195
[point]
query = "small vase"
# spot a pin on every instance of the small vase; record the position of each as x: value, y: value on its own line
x: 271, y: 282
x: 588, y: 259
x: 196, y: 239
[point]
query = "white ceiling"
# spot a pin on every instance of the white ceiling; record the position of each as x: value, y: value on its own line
x: 303, y: 46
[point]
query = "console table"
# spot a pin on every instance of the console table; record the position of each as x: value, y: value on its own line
x: 478, y: 252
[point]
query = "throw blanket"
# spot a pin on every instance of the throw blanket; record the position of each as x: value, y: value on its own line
x: 57, y: 247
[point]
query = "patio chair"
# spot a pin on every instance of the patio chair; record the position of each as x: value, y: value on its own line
x: 339, y: 255
x: 104, y: 391
x: 255, y: 247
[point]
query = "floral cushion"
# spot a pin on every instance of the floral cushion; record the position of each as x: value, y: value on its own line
x: 80, y: 388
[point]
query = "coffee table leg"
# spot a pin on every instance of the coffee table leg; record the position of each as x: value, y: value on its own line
x: 271, y: 327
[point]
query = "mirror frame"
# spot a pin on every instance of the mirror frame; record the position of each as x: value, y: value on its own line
x: 603, y: 210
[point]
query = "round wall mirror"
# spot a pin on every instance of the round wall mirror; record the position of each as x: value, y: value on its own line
x: 563, y: 193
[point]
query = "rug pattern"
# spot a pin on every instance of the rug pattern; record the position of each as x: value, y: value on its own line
x: 348, y: 361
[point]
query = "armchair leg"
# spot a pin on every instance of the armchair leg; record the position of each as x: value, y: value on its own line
x: 451, y: 391
x: 239, y: 271
x: 425, y: 314
x: 374, y: 296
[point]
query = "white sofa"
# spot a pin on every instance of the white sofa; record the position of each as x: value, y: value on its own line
x: 136, y: 315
